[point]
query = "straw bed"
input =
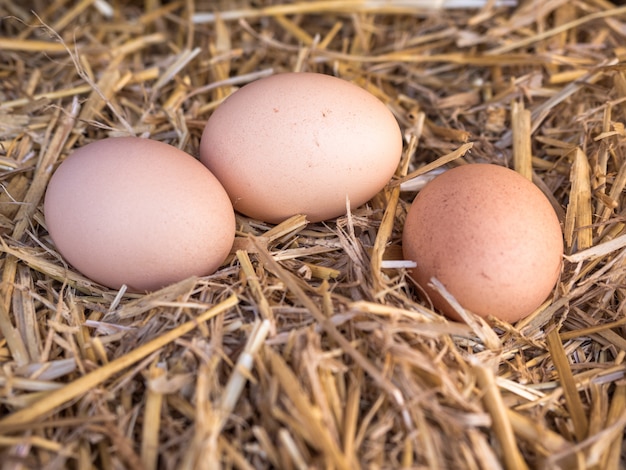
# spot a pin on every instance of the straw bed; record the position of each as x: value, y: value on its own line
x: 310, y: 347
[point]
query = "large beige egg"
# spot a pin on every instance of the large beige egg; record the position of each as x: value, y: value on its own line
x: 301, y: 143
x: 138, y: 212
x: 490, y: 236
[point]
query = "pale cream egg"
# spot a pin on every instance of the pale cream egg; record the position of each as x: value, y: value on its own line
x: 301, y: 143
x: 138, y: 212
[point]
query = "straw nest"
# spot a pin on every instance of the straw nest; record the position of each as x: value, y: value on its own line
x: 309, y: 347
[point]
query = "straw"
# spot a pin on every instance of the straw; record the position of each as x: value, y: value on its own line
x: 80, y: 386
x: 311, y: 346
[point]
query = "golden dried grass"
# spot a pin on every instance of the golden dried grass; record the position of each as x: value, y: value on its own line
x: 309, y: 348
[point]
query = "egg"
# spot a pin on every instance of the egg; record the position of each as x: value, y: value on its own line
x: 490, y: 236
x: 138, y: 212
x: 301, y: 143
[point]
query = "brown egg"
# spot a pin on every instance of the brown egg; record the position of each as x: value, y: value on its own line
x: 301, y: 143
x: 138, y: 212
x: 490, y: 236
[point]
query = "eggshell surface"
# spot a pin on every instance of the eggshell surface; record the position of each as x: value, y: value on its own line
x: 301, y: 143
x: 490, y: 236
x: 138, y: 212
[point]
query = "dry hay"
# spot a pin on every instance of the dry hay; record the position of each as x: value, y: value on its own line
x: 309, y: 347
